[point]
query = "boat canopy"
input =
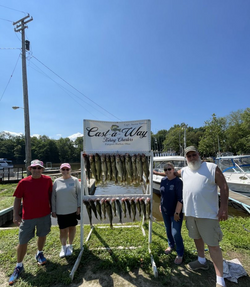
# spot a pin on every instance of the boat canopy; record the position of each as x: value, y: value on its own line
x: 237, y: 164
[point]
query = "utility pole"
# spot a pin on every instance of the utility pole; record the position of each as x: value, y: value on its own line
x: 20, y: 27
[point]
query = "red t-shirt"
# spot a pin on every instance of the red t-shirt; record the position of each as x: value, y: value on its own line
x: 36, y: 195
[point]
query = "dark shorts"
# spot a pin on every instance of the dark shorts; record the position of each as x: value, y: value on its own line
x: 27, y: 228
x: 66, y: 220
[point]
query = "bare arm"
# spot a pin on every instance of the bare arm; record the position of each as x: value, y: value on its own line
x: 177, y: 211
x: 16, y: 217
x: 222, y: 184
x: 159, y: 173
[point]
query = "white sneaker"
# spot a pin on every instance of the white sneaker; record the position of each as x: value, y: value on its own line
x: 63, y: 251
x: 69, y: 250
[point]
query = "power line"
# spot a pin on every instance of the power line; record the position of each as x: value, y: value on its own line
x: 10, y: 78
x: 13, y: 9
x: 76, y: 89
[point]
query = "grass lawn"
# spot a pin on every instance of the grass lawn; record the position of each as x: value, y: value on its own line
x: 131, y: 264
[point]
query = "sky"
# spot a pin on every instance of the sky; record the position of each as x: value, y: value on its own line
x: 168, y: 61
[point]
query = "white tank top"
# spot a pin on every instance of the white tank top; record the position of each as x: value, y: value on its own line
x: 200, y: 195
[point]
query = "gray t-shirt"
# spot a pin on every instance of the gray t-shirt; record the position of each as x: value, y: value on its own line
x: 66, y: 195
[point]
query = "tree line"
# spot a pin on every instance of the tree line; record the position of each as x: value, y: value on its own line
x: 218, y: 135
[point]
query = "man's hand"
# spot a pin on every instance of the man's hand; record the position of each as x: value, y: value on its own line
x: 54, y: 214
x: 223, y: 213
x: 17, y: 220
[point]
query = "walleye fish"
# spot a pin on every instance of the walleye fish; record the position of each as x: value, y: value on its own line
x: 119, y: 167
x: 113, y: 168
x: 92, y: 165
x: 133, y: 160
x: 92, y: 205
x: 98, y: 166
x: 139, y: 167
x: 103, y: 208
x: 119, y: 210
x: 113, y: 204
x: 128, y: 164
x: 98, y: 208
x: 145, y: 167
x: 128, y: 207
x: 123, y: 166
x: 88, y: 207
x: 137, y: 203
x: 133, y: 208
x: 109, y: 167
x: 87, y: 165
x: 124, y: 208
x: 109, y: 212
x: 104, y: 167
x: 148, y: 207
x: 143, y: 207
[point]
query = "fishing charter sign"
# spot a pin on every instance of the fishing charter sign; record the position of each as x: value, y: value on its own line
x: 101, y: 136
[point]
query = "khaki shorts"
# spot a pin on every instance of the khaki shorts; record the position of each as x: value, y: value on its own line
x: 27, y: 228
x: 207, y: 229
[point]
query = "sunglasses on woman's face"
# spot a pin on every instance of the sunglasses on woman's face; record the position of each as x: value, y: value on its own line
x: 36, y: 167
x: 165, y: 169
x: 65, y: 169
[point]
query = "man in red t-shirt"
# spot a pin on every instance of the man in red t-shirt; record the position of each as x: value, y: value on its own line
x: 34, y: 192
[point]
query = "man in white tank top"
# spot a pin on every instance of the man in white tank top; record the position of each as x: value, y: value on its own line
x: 200, y: 205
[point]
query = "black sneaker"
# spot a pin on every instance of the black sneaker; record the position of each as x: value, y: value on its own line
x: 41, y: 260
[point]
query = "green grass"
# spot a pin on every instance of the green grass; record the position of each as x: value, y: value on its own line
x: 6, y: 195
x: 235, y: 244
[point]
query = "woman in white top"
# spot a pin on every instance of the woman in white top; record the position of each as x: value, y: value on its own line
x: 66, y: 206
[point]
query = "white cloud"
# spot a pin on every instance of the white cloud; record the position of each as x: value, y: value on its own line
x: 13, y: 133
x: 75, y: 136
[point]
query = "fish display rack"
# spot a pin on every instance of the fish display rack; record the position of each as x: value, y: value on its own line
x: 129, y: 168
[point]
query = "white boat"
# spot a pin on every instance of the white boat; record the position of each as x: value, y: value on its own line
x: 158, y: 165
x: 236, y: 170
x: 6, y: 167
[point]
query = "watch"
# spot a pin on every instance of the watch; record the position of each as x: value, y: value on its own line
x: 177, y: 213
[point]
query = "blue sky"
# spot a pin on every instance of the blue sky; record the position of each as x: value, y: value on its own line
x: 168, y: 61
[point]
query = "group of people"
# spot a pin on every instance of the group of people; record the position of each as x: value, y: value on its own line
x: 196, y: 196
x: 39, y: 197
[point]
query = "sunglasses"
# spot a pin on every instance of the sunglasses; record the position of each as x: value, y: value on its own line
x: 191, y: 155
x: 65, y: 169
x: 36, y: 167
x: 165, y: 169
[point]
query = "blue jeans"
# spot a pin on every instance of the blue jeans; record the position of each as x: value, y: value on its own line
x: 173, y: 230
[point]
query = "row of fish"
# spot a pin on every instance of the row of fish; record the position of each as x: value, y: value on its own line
x: 118, y: 168
x: 116, y: 207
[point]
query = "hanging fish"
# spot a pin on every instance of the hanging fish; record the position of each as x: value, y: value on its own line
x: 92, y: 205
x: 87, y: 166
x: 128, y: 206
x: 145, y: 167
x: 88, y: 207
x: 119, y: 210
x: 109, y: 211
x: 139, y: 167
x: 128, y: 164
x: 119, y: 167
x: 133, y: 160
x: 148, y: 207
x: 98, y: 167
x: 113, y: 168
x: 137, y: 203
x: 123, y: 167
x: 109, y: 169
x: 133, y: 208
x: 98, y: 208
x: 104, y: 167
x: 124, y: 207
x: 143, y: 207
x: 103, y: 208
x: 92, y: 165
x: 113, y: 206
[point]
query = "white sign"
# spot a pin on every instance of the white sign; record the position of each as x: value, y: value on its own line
x: 131, y: 136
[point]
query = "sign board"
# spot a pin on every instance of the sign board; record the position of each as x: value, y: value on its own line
x: 130, y: 136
